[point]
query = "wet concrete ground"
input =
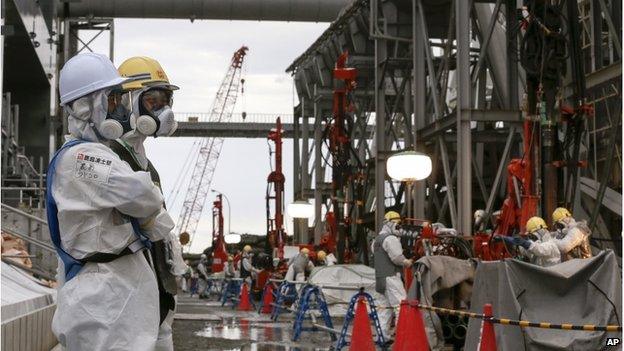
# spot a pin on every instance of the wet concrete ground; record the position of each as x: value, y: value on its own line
x: 205, y: 325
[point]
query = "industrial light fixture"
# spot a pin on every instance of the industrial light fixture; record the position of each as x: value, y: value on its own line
x: 300, y: 209
x: 232, y: 238
x: 409, y: 166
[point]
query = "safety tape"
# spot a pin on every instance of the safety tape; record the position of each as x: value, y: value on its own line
x: 543, y: 325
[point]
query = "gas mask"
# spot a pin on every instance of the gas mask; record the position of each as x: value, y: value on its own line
x: 560, y: 226
x: 108, y: 112
x: 155, y: 115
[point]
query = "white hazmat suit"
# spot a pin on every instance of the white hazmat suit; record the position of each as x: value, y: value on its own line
x: 133, y: 143
x: 544, y: 252
x: 114, y: 305
x: 394, y: 290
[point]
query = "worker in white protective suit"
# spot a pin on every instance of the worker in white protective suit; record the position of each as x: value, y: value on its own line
x: 247, y: 270
x: 323, y: 259
x: 299, y: 266
x: 152, y: 97
x: 572, y: 236
x: 202, y: 269
x: 541, y: 249
x: 389, y: 264
x: 102, y: 216
x: 228, y: 268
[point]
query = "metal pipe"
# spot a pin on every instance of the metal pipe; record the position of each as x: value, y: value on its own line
x: 28, y: 269
x: 251, y: 10
x: 20, y: 212
x: 460, y: 331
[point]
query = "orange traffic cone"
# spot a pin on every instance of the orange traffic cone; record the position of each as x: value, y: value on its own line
x: 267, y: 300
x: 488, y: 338
x: 362, y: 339
x: 244, y: 304
x: 411, y: 334
x: 401, y: 327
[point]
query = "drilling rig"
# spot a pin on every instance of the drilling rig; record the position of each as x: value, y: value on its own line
x: 219, y: 253
x: 276, y: 235
x: 210, y: 148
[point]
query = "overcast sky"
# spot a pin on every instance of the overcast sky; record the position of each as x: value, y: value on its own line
x: 195, y: 56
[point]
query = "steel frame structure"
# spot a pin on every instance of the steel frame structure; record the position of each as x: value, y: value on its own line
x: 469, y: 120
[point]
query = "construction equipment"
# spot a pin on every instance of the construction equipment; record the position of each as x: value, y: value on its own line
x: 219, y: 253
x: 276, y: 234
x: 534, y: 181
x: 210, y: 148
x: 347, y: 179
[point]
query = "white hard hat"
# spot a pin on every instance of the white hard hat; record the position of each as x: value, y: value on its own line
x: 203, y: 256
x: 85, y: 73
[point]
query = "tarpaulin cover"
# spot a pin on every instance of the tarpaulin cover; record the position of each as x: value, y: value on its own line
x: 438, y: 273
x: 347, y: 275
x: 21, y: 293
x: 577, y: 292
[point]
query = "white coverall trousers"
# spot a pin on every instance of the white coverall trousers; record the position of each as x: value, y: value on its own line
x: 388, y: 306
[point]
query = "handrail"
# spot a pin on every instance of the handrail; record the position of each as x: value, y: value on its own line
x: 20, y: 212
x: 29, y: 239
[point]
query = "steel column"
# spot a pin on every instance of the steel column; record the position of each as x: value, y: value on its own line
x: 464, y: 143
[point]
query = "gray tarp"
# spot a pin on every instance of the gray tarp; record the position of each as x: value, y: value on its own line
x: 577, y: 291
x: 439, y: 273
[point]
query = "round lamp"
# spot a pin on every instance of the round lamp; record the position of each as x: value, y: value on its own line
x: 232, y: 239
x: 408, y: 166
x: 300, y: 209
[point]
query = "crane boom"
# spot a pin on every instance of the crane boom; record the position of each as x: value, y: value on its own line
x: 208, y: 157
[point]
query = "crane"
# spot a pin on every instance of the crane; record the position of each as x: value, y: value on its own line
x: 210, y: 148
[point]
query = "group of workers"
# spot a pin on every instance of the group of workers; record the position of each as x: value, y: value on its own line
x: 118, y: 255
x: 569, y: 239
x: 255, y: 274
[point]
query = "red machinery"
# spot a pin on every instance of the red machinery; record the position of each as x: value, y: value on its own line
x: 219, y: 253
x: 522, y: 199
x: 276, y: 235
x: 338, y: 221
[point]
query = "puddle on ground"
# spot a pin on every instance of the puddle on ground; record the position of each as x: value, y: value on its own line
x: 264, y: 335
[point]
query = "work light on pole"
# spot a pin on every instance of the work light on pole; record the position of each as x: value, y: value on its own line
x: 408, y: 166
x: 232, y: 239
x: 300, y: 209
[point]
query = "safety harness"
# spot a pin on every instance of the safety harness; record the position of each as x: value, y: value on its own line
x: 73, y: 265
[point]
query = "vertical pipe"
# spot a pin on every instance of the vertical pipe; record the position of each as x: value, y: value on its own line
x: 419, y: 102
x: 305, y: 176
x: 464, y: 143
x: 380, y: 117
x: 296, y: 172
x: 111, y: 40
x: 319, y: 175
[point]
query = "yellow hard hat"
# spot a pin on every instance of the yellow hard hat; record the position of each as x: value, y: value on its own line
x: 305, y: 251
x: 247, y: 248
x: 535, y: 223
x: 230, y: 258
x: 147, y: 67
x: 560, y: 213
x: 321, y: 255
x: 392, y: 216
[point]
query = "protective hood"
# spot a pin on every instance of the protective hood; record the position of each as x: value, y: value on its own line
x: 134, y: 139
x: 85, y: 114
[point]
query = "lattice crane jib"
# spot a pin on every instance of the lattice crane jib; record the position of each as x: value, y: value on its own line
x: 208, y: 157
